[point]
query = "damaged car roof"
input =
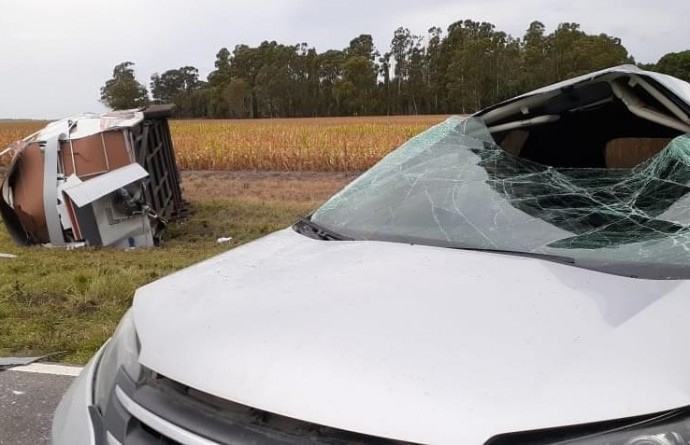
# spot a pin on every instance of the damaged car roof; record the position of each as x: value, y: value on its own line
x: 677, y: 86
x: 595, y: 171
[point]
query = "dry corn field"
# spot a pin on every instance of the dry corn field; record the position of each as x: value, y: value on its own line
x: 318, y: 144
x: 11, y: 131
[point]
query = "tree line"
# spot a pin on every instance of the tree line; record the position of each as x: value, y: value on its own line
x: 468, y: 67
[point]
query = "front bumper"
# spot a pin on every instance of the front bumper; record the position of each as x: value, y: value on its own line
x: 77, y: 421
x: 145, y: 414
x: 72, y: 422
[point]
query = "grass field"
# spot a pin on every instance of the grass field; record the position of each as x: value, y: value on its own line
x: 56, y: 300
x: 320, y: 144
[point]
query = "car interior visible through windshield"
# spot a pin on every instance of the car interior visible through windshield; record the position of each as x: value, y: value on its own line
x: 616, y: 121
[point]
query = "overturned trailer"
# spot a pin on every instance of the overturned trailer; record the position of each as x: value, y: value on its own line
x: 98, y: 179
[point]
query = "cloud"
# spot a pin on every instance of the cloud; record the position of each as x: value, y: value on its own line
x: 56, y: 55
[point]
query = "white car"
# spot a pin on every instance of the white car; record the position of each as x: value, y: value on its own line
x: 517, y: 277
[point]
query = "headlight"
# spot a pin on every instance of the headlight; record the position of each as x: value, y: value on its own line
x: 121, y: 352
x: 669, y: 428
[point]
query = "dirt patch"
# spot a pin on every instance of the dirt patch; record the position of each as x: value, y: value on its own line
x: 263, y: 185
x: 259, y: 185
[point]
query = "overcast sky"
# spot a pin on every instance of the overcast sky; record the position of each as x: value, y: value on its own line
x: 56, y: 54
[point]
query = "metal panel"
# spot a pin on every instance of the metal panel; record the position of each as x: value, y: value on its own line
x: 50, y: 184
x: 153, y: 149
x: 89, y: 191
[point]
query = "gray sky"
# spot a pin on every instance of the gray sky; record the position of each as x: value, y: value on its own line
x: 56, y: 54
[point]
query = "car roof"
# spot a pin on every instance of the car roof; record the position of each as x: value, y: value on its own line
x: 678, y: 87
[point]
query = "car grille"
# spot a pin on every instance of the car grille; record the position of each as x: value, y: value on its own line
x: 158, y: 410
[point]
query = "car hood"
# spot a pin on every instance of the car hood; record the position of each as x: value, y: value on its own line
x: 417, y: 343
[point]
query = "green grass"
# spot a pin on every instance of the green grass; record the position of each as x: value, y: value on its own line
x: 57, y: 300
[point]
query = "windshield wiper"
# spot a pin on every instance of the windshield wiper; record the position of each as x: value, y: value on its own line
x: 309, y: 228
x: 540, y: 256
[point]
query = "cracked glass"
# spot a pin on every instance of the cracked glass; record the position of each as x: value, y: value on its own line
x: 453, y: 186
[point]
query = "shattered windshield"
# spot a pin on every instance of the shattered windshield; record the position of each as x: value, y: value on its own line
x: 453, y: 186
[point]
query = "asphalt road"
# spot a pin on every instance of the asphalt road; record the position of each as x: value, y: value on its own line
x: 27, y: 402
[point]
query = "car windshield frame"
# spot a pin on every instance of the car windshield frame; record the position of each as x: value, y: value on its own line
x: 454, y: 186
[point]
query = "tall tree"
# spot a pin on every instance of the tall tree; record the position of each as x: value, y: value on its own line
x: 385, y: 87
x: 416, y: 83
x: 362, y: 45
x: 470, y: 66
x: 172, y: 84
x: 574, y: 52
x: 355, y: 90
x: 535, y: 52
x: 675, y: 64
x: 330, y: 72
x: 218, y: 81
x: 276, y: 80
x: 237, y: 97
x: 401, y: 45
x: 435, y: 70
x: 222, y: 74
x: 246, y: 64
x: 123, y: 91
x: 304, y: 73
x: 469, y: 72
x: 356, y: 87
